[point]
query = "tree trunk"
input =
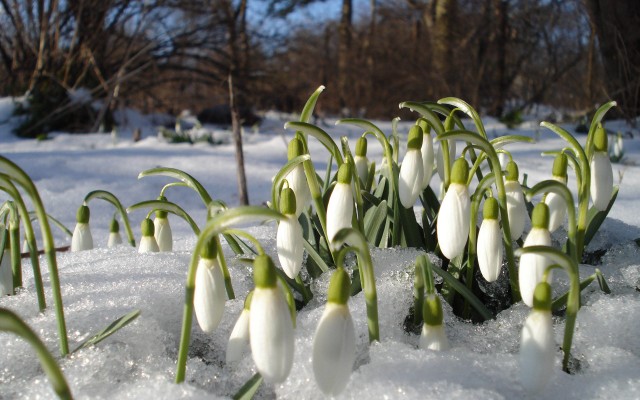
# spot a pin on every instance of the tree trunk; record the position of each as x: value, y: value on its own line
x: 243, y: 195
x: 444, y: 43
x: 344, y: 48
x: 616, y: 24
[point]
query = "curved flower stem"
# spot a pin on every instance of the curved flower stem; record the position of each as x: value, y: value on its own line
x: 214, y: 227
x: 182, y: 176
x: 319, y: 134
x: 467, y: 109
x: 248, y: 236
x: 575, y: 164
x: 396, y: 139
x: 573, y: 301
x: 562, y: 190
x: 172, y: 184
x: 17, y: 175
x: 165, y: 205
x: 597, y: 118
x: 502, y: 200
x: 104, y: 195
x: 13, y: 236
x: 280, y: 177
x: 7, y: 186
x: 359, y: 242
x: 10, y: 322
x: 34, y: 216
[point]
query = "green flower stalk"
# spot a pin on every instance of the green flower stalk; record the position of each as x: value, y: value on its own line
x: 239, y: 338
x: 148, y: 243
x: 210, y: 295
x: 490, y: 242
x: 602, y: 173
x: 270, y: 324
x: 114, y: 234
x: 453, y: 217
x: 411, y: 174
x: 433, y: 336
x: 289, y: 240
x: 82, y: 239
x: 334, y: 342
x: 113, y: 200
x: 537, y: 344
x: 162, y: 229
x: 557, y: 205
x: 6, y: 276
x: 533, y: 266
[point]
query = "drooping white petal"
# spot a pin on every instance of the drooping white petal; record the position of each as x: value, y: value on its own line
x: 410, y: 179
x: 6, y: 274
x: 339, y: 209
x: 427, y: 159
x: 239, y: 338
x: 362, y: 167
x: 148, y: 244
x: 516, y: 208
x: 440, y: 158
x: 210, y: 294
x: 433, y: 337
x: 271, y: 335
x: 298, y: 183
x: 537, y: 351
x: 532, y: 266
x: 557, y: 210
x: 334, y: 349
x: 601, y: 180
x: 81, y: 239
x: 289, y: 245
x: 453, y: 220
x: 162, y: 234
x: 490, y: 249
x: 114, y: 239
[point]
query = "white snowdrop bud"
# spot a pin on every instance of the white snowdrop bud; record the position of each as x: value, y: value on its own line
x: 239, y: 339
x: 455, y: 211
x: 148, y: 243
x: 490, y: 242
x: 516, y: 207
x: 82, y: 239
x: 532, y: 266
x: 360, y: 160
x: 289, y: 242
x: 270, y: 324
x: 433, y: 336
x: 210, y: 294
x: 411, y: 170
x: 162, y: 229
x: 114, y: 234
x: 556, y: 203
x: 297, y: 179
x: 601, y: 172
x: 334, y: 342
x: 340, y: 207
x: 537, y: 345
x: 427, y: 153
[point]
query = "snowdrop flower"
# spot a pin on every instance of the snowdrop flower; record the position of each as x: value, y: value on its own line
x: 82, y: 239
x: 618, y: 147
x: 532, y: 266
x: 601, y: 172
x: 340, y: 207
x: 148, y: 243
x: 516, y: 207
x: 361, y: 161
x: 297, y: 178
x: 455, y: 211
x: 427, y: 156
x: 289, y: 236
x: 440, y: 158
x: 162, y: 229
x: 412, y: 169
x: 239, y: 338
x: 433, y: 336
x: 334, y: 343
x: 6, y: 274
x: 114, y: 234
x: 490, y: 242
x: 210, y: 293
x: 270, y: 324
x: 537, y: 345
x: 556, y: 203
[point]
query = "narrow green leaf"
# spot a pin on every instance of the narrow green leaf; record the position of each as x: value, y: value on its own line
x: 602, y: 282
x: 595, y: 218
x: 374, y: 221
x: 309, y: 106
x: 464, y: 292
x: 249, y: 389
x: 113, y: 327
x: 508, y: 139
x: 33, y: 216
x: 315, y: 256
x: 426, y: 113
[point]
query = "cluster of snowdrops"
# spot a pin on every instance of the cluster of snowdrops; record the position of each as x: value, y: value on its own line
x: 352, y: 208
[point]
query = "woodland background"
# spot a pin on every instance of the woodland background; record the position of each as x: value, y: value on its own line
x: 502, y: 56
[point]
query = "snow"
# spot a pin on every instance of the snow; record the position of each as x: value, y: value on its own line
x: 138, y: 362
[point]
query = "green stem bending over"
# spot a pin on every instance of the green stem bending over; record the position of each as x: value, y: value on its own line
x: 108, y: 197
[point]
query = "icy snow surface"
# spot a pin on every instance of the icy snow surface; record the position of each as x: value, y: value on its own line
x: 138, y: 362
